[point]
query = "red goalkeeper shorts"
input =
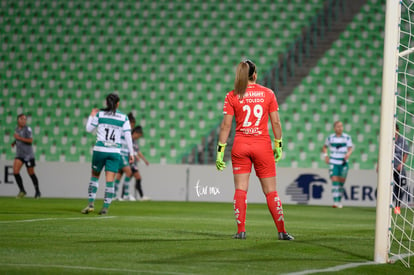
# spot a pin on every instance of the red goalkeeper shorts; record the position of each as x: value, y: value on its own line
x: 248, y: 151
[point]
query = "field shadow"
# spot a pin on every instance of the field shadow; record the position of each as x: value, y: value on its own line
x: 334, y: 248
x: 208, y: 235
x: 187, y: 236
x: 242, y: 251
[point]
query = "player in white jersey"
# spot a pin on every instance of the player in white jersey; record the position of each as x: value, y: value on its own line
x: 340, y: 149
x: 111, y: 125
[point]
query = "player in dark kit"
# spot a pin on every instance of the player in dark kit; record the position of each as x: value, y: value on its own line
x: 24, y: 155
x: 400, y: 177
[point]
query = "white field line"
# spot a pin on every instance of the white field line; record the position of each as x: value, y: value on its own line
x: 331, y: 269
x: 138, y: 218
x: 56, y: 219
x: 93, y: 268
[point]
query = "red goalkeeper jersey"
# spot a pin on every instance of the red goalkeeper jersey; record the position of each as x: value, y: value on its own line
x: 251, y: 111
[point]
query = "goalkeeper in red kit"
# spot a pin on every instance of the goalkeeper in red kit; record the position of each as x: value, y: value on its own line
x: 252, y: 105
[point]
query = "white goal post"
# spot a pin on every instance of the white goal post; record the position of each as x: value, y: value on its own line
x: 394, y: 230
x: 388, y: 105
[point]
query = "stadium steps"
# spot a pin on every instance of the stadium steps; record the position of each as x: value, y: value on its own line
x: 323, y: 44
x: 346, y: 83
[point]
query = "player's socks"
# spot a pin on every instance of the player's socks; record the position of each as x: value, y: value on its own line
x: 240, y: 206
x: 341, y: 190
x: 116, y: 187
x: 138, y: 187
x: 275, y: 207
x: 109, y: 191
x: 19, y: 182
x: 336, y: 191
x: 93, y: 188
x: 35, y: 182
x: 126, y: 186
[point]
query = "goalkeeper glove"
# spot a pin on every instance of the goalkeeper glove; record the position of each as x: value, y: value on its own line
x: 220, y: 164
x: 277, y: 151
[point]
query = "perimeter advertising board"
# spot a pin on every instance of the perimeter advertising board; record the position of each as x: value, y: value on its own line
x: 196, y: 183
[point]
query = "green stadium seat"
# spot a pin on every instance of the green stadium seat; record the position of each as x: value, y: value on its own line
x: 347, y: 97
x: 80, y: 57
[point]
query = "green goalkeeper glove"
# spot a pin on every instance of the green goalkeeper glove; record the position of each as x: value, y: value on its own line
x: 220, y: 164
x: 277, y: 151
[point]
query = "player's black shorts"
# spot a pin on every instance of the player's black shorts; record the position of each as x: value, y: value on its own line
x: 28, y: 162
x: 400, y: 179
x: 134, y: 168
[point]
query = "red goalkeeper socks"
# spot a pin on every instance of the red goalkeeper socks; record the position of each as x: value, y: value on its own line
x: 240, y: 206
x: 275, y: 207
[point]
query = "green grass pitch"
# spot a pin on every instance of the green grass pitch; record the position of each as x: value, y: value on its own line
x: 51, y: 236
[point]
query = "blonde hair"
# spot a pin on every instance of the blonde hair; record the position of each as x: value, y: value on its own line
x: 242, y: 78
x: 244, y: 73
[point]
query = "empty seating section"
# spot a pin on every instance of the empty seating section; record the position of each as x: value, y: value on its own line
x: 170, y: 61
x: 345, y: 85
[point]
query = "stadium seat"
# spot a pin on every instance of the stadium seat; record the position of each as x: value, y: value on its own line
x: 345, y: 92
x: 72, y: 61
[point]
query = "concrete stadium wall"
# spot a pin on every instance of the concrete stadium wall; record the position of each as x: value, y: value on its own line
x: 196, y: 183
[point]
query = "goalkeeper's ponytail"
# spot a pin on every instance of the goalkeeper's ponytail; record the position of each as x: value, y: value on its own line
x: 244, y: 72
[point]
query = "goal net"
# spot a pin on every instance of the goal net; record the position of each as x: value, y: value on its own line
x: 394, y: 238
x: 402, y: 223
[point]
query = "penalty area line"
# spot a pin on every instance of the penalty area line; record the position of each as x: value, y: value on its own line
x: 56, y: 219
x: 332, y: 269
x: 103, y: 269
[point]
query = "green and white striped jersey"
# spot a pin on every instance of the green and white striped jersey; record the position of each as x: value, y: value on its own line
x: 338, y: 147
x: 110, y: 128
x: 124, y: 146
